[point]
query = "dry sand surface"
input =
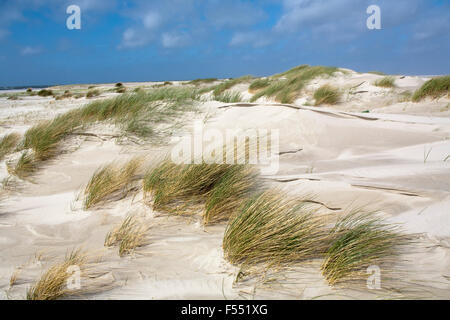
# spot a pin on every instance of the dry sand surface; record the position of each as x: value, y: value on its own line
x: 375, y: 149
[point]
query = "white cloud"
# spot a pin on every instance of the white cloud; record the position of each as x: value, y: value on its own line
x: 179, y: 22
x: 250, y: 38
x: 342, y: 20
x: 432, y: 25
x: 29, y: 50
x: 132, y: 38
x: 301, y: 14
x: 151, y: 20
x: 174, y: 39
x: 232, y: 13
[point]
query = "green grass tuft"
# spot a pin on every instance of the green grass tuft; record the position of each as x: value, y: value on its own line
x: 434, y: 88
x: 229, y: 97
x: 92, y: 93
x: 288, y: 84
x: 273, y: 228
x: 197, y: 82
x: 228, y: 84
x: 8, y: 144
x: 44, y: 137
x: 110, y: 181
x: 359, y: 241
x: 386, y: 82
x: 214, y: 189
x: 259, y: 84
x: 25, y: 166
x: 229, y: 192
x: 327, y: 94
x: 135, y: 113
x: 45, y: 93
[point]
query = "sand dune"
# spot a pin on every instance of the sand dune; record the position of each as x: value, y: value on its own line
x: 371, y: 150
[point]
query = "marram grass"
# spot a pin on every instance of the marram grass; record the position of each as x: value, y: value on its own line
x: 92, y: 93
x: 24, y: 167
x: 112, y: 180
x: 214, y: 189
x: 273, y: 228
x: 327, y: 94
x: 129, y: 235
x: 227, y: 195
x: 229, y: 97
x: 8, y: 143
x: 202, y: 81
x: 137, y: 114
x: 259, y: 84
x: 222, y: 87
x: 386, y: 82
x: 287, y: 86
x: 44, y: 137
x: 434, y: 88
x: 360, y: 240
x: 53, y: 283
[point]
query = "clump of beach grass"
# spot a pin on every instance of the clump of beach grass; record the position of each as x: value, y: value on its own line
x: 44, y: 137
x: 202, y: 81
x: 13, y: 97
x: 327, y: 94
x: 138, y: 113
x: 45, y: 93
x: 53, y: 283
x: 226, y: 85
x: 359, y: 241
x: 385, y: 82
x: 274, y: 229
x: 259, y: 84
x: 24, y: 167
x: 235, y: 186
x: 92, y: 93
x: 130, y: 234
x: 287, y: 85
x: 65, y: 95
x: 8, y: 143
x: 176, y: 187
x: 434, y: 88
x: 214, y: 189
x: 111, y: 181
x: 229, y: 97
x: 135, y: 113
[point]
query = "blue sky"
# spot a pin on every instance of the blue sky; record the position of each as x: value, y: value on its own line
x: 186, y: 39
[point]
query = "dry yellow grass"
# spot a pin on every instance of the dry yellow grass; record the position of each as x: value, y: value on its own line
x: 215, y: 190
x: 327, y: 94
x: 129, y: 235
x: 24, y: 167
x: 53, y: 283
x: 8, y: 143
x: 14, y: 277
x: 112, y: 180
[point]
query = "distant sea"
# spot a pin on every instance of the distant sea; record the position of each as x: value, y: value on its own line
x: 24, y: 87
